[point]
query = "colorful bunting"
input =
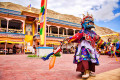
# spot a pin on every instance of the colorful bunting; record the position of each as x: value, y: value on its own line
x: 42, y: 20
x: 29, y: 6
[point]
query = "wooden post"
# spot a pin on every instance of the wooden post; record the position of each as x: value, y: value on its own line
x: 7, y: 24
x: 48, y: 29
x: 0, y: 22
x: 24, y: 46
x: 58, y: 31
x: 23, y: 25
x: 74, y: 31
x: 5, y: 46
x: 67, y: 31
x: 63, y: 32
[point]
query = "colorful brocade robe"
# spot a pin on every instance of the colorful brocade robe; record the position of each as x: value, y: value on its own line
x: 86, y: 49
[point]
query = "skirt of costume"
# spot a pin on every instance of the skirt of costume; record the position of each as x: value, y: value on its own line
x: 85, y: 65
x: 86, y: 57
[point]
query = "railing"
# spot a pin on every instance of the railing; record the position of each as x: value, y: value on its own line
x: 11, y: 30
x: 12, y: 35
x: 14, y: 31
x: 60, y: 35
x: 3, y: 29
x: 52, y: 35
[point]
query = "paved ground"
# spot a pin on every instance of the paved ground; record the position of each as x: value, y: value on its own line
x: 20, y: 67
x: 109, y: 75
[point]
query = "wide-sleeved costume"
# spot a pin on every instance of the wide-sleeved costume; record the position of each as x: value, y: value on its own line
x: 86, y: 48
x: 86, y: 56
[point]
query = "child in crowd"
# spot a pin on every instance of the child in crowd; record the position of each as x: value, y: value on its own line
x: 113, y: 49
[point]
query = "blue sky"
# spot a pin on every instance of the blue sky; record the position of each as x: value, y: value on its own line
x: 105, y: 12
x: 113, y: 24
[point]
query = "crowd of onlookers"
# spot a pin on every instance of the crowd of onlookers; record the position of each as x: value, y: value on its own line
x: 12, y: 50
x: 110, y: 49
x: 69, y: 51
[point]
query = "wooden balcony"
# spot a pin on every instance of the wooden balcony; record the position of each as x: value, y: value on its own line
x: 11, y: 30
x: 52, y: 35
x: 15, y: 31
x: 3, y: 29
x: 12, y: 35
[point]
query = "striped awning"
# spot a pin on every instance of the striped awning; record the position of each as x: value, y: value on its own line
x: 52, y: 42
x: 2, y: 41
x: 17, y: 42
x: 11, y: 40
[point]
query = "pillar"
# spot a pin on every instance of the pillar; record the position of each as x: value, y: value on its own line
x: 5, y: 46
x: 74, y: 31
x: 37, y: 28
x: 0, y: 22
x: 58, y: 30
x: 67, y: 31
x: 7, y: 24
x: 63, y: 32
x: 24, y: 46
x: 23, y: 25
x: 48, y: 30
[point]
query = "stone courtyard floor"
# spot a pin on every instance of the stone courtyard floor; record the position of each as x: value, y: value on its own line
x: 20, y: 67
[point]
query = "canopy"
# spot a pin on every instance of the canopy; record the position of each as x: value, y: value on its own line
x: 15, y: 42
x: 52, y: 42
x: 2, y: 41
x: 12, y: 42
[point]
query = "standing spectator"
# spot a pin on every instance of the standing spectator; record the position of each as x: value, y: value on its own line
x: 113, y: 50
x: 14, y: 49
x: 109, y: 45
x: 8, y: 50
x: 72, y: 50
x: 34, y: 43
